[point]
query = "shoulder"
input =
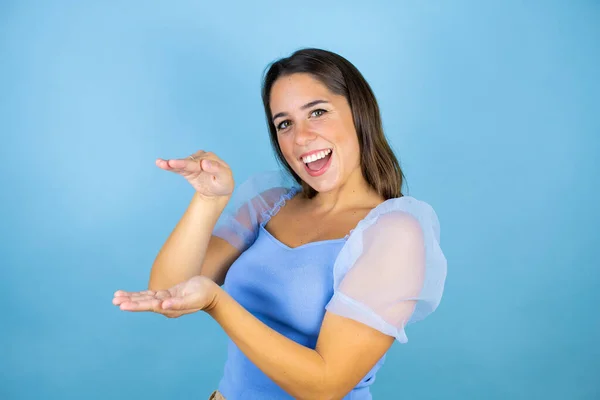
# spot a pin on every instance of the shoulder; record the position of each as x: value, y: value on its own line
x: 275, y: 193
x: 401, y: 216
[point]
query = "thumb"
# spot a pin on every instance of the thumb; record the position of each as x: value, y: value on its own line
x: 210, y: 165
x: 215, y: 168
x: 177, y: 303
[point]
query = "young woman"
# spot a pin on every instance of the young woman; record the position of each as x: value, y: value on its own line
x: 312, y: 271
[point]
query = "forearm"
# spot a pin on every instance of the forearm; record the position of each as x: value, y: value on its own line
x: 182, y: 255
x: 298, y: 370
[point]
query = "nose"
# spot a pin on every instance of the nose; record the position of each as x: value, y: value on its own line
x: 304, y: 134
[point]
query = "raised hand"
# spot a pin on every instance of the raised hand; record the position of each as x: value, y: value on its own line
x: 209, y: 175
x: 195, y: 294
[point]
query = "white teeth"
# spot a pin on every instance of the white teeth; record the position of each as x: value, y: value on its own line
x: 316, y: 156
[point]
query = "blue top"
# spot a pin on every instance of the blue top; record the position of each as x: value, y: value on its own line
x: 397, y: 276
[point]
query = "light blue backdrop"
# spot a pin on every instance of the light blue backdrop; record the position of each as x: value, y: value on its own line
x: 492, y: 109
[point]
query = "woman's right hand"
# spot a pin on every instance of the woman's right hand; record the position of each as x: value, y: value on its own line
x: 210, y: 176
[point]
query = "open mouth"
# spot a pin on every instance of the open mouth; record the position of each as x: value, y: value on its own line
x: 320, y: 165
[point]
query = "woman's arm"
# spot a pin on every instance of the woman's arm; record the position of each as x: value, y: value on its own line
x: 183, y: 254
x: 346, y: 351
x: 382, y: 290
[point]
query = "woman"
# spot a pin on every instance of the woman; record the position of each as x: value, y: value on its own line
x: 321, y: 270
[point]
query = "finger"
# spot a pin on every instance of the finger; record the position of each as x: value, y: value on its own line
x: 172, y: 165
x: 216, y: 169
x: 162, y: 294
x: 141, y: 297
x: 163, y: 164
x: 193, y: 163
x: 210, y: 165
x: 206, y: 160
x: 124, y: 299
x: 124, y: 296
x: 185, y: 164
x: 124, y: 293
x: 144, y: 305
x: 177, y: 165
x: 120, y: 299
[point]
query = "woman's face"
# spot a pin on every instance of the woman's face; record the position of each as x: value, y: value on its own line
x: 311, y: 120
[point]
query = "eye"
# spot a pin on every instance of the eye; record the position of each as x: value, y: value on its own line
x: 317, y: 111
x: 281, y: 125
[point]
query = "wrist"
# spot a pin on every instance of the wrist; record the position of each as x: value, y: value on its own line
x: 216, y: 200
x: 216, y: 295
x: 209, y: 208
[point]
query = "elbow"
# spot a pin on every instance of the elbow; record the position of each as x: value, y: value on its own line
x: 315, y: 387
x: 317, y: 394
x: 323, y: 395
x: 320, y: 383
x: 332, y: 395
x: 323, y: 391
x: 331, y: 389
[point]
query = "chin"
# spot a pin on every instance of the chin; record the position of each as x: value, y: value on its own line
x: 321, y: 184
x: 326, y: 182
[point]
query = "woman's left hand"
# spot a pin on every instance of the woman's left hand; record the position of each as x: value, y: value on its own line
x: 195, y: 294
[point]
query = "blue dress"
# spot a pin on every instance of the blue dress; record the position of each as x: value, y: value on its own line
x: 389, y: 271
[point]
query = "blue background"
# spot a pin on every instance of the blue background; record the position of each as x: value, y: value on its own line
x: 492, y: 108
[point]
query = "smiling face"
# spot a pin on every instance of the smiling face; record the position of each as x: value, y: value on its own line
x: 313, y: 122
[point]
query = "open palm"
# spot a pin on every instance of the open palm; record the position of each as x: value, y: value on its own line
x: 195, y: 294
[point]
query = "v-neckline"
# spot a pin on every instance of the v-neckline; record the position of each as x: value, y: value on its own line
x: 284, y: 199
x: 317, y: 242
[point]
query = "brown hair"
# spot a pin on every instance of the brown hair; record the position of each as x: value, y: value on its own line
x: 378, y: 163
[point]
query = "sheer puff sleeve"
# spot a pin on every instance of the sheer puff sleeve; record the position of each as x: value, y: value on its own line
x: 252, y: 203
x: 391, y: 271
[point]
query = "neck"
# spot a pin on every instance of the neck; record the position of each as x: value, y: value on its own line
x: 353, y: 193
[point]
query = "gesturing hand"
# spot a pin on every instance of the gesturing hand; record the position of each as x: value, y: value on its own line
x: 210, y: 176
x: 197, y: 293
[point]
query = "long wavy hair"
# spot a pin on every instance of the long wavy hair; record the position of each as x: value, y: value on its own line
x: 378, y: 163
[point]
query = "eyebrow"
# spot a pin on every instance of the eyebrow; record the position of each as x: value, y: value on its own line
x: 304, y: 107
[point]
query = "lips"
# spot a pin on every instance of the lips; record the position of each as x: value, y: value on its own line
x: 310, y: 153
x: 322, y: 170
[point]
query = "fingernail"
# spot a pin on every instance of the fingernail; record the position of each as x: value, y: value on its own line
x: 207, y: 163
